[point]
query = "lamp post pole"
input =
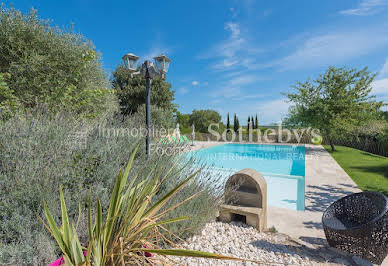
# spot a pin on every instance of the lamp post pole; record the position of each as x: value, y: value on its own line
x: 149, y: 71
x: 148, y: 103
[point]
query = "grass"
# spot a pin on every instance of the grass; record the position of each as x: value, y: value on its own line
x: 368, y: 171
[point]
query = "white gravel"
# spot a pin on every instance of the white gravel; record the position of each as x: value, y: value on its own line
x: 242, y: 241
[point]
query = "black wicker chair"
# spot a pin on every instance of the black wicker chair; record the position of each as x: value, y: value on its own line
x: 358, y: 224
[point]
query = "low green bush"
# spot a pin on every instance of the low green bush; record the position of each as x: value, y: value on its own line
x: 9, y: 103
x: 383, y: 139
x: 134, y: 223
x: 40, y: 151
x: 159, y: 117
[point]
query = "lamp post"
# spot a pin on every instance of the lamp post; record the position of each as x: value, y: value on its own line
x: 149, y: 71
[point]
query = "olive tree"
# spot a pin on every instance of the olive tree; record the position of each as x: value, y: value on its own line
x: 336, y: 103
x: 51, y: 66
x: 203, y: 118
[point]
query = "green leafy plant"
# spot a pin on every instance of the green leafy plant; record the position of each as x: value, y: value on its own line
x: 132, y: 225
x: 337, y: 103
x: 203, y: 118
x: 131, y: 91
x: 66, y: 235
x: 49, y: 66
x: 9, y: 103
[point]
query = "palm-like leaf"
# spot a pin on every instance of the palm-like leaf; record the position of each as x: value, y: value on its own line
x: 132, y: 222
x: 66, y: 235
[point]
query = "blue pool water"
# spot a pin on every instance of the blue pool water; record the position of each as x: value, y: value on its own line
x: 282, y: 166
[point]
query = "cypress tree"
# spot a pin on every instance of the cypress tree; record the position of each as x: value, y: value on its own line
x: 256, y: 122
x: 249, y: 121
x: 253, y: 123
x: 227, y: 123
x: 235, y: 126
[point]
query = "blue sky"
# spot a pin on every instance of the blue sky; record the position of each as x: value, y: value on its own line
x: 234, y: 56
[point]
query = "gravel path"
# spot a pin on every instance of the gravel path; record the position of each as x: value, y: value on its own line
x: 243, y: 241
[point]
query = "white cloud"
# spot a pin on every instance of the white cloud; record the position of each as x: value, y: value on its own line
x: 332, y: 48
x: 242, y: 80
x: 271, y: 111
x: 366, y: 8
x: 380, y: 86
x: 233, y: 11
x: 268, y: 112
x: 232, y: 56
x: 329, y: 47
x: 195, y: 83
x: 155, y: 51
x: 232, y: 87
x: 233, y: 52
x: 384, y: 70
x: 216, y: 101
x: 249, y: 96
x: 224, y: 64
x: 226, y: 92
x: 234, y: 44
x: 183, y: 90
x: 234, y: 28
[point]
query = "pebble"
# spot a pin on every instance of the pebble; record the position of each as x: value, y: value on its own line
x: 256, y: 248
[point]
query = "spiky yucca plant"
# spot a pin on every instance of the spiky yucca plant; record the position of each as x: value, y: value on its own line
x: 132, y: 225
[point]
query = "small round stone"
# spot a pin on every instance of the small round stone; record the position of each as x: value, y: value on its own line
x: 243, y: 241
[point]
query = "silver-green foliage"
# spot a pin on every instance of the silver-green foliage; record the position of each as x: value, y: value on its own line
x: 134, y: 223
x: 48, y: 65
x: 40, y: 152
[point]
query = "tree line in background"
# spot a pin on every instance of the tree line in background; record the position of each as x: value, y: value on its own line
x: 251, y: 124
x: 201, y: 120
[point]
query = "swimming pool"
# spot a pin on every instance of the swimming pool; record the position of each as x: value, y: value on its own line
x: 283, y: 167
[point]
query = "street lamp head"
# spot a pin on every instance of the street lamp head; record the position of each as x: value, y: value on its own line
x: 162, y: 62
x: 148, y: 70
x: 130, y: 61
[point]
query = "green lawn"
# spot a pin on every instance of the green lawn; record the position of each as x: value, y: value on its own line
x: 369, y: 171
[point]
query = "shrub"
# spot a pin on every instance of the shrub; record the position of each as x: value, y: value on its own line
x: 134, y: 224
x: 41, y: 151
x: 336, y: 103
x: 383, y: 139
x: 9, y: 103
x: 159, y: 117
x: 52, y: 66
x: 203, y: 118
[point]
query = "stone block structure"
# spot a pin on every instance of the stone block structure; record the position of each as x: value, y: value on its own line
x: 246, y: 199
